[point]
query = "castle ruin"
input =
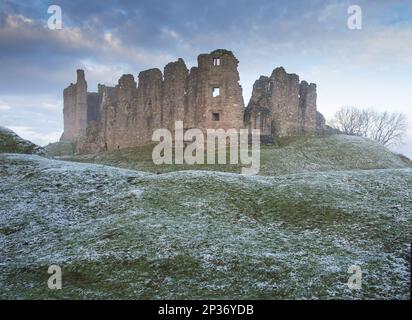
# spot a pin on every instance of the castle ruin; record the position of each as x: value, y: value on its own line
x: 208, y: 96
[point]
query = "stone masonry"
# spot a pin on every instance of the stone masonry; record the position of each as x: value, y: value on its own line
x: 208, y: 96
x: 75, y: 108
x: 281, y: 105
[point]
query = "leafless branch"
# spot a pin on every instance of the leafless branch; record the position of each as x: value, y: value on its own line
x: 384, y: 127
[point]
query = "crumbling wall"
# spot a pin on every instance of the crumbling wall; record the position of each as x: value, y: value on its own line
x: 281, y: 105
x: 284, y: 99
x: 117, y: 124
x: 258, y: 114
x: 149, y: 95
x: 95, y: 139
x: 75, y: 108
x: 307, y: 107
x: 120, y: 111
x: 207, y: 97
x: 174, y: 94
x: 127, y: 115
x: 216, y: 71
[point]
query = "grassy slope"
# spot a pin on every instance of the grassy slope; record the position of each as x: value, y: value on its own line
x: 61, y: 148
x: 12, y: 143
x: 293, y: 155
x: 128, y: 234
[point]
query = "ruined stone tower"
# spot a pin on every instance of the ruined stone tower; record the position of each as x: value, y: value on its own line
x: 75, y: 108
x: 208, y: 96
x: 214, y: 92
x: 281, y: 105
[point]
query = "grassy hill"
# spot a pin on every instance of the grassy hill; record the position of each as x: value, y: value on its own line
x: 11, y: 142
x: 119, y: 233
x: 61, y: 148
x: 292, y: 155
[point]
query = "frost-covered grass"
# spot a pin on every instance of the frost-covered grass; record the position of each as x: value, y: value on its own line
x: 291, y: 155
x: 126, y: 234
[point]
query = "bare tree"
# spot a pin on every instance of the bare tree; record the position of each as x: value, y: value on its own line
x: 385, y: 127
x: 388, y: 128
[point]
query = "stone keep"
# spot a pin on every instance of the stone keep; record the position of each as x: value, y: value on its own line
x: 208, y: 96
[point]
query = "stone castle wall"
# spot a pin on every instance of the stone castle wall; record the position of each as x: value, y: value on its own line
x: 281, y: 105
x: 75, y: 108
x: 208, y: 96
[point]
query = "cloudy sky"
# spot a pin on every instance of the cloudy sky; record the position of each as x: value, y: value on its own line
x: 370, y: 68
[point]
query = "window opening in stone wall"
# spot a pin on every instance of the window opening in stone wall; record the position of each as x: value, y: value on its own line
x: 216, y: 92
x: 215, y: 116
x: 216, y: 61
